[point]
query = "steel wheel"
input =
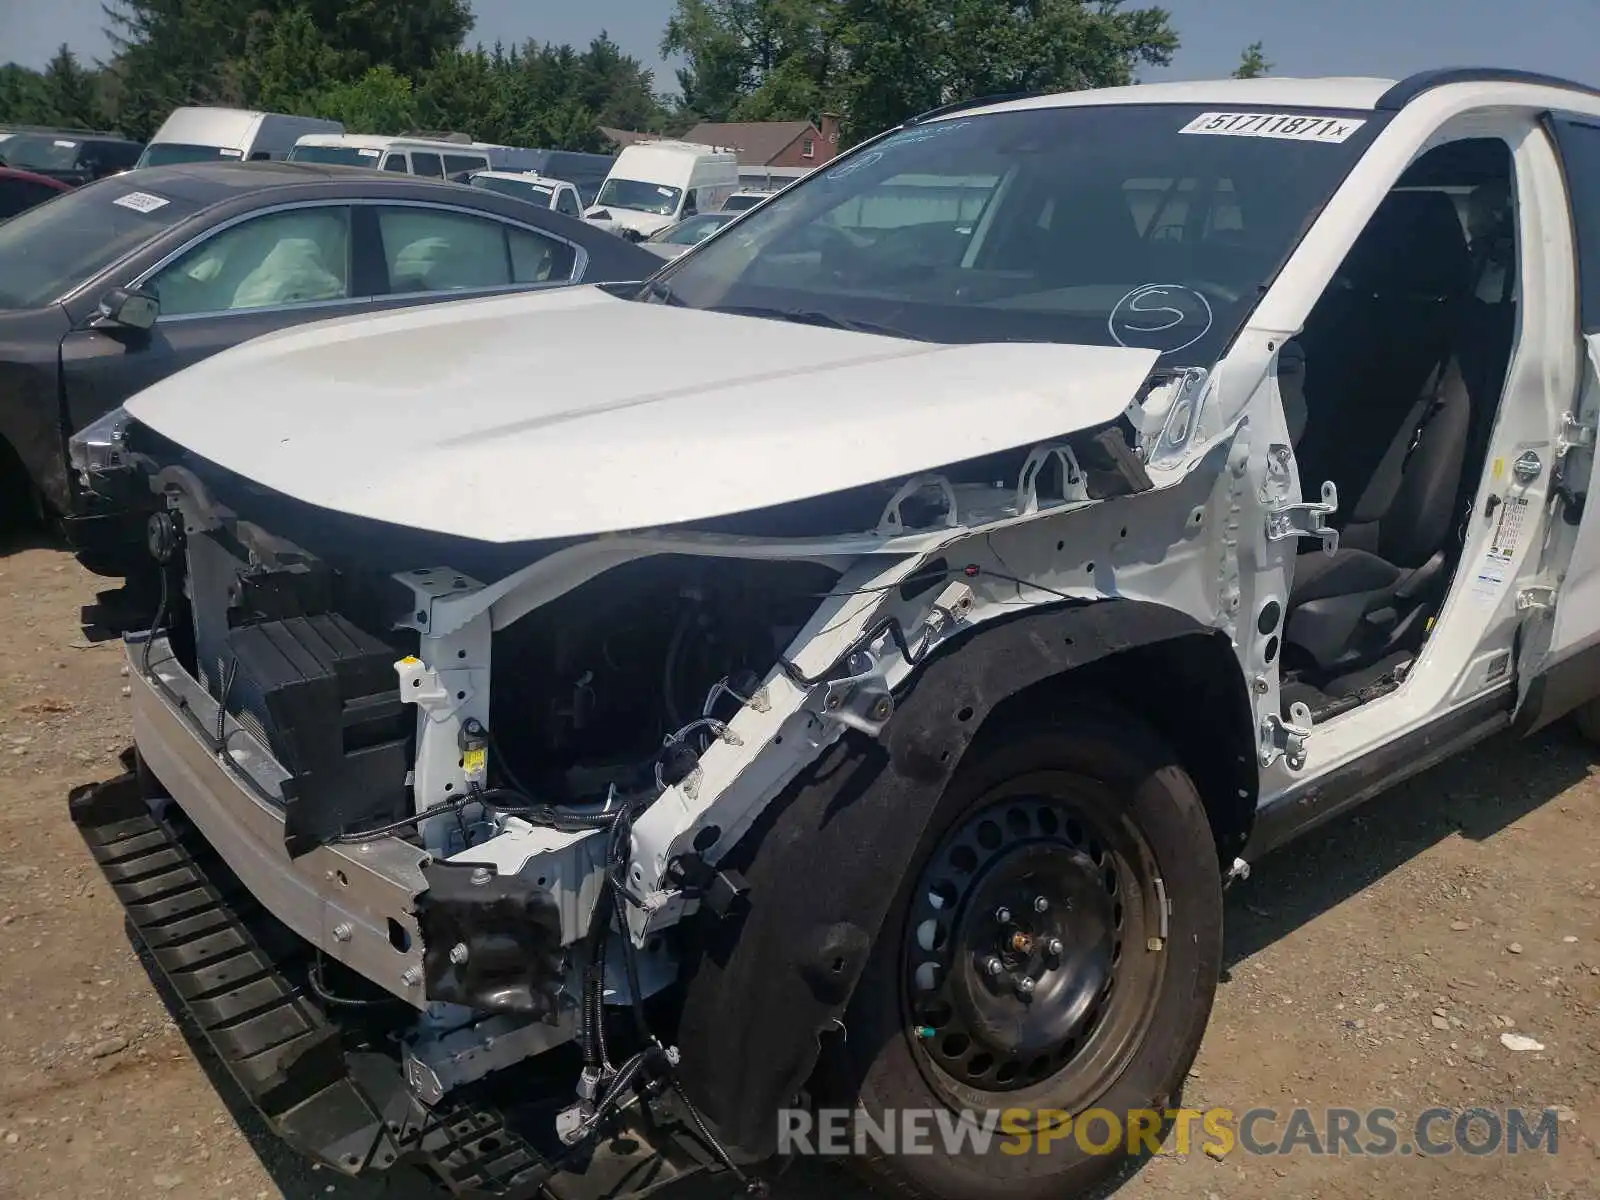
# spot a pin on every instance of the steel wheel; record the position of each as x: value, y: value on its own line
x: 1018, y: 986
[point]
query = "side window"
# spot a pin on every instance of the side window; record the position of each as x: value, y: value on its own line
x: 1579, y: 143
x: 395, y: 162
x: 427, y: 164
x: 454, y: 164
x: 438, y: 250
x: 296, y: 257
x: 567, y: 202
x: 17, y: 195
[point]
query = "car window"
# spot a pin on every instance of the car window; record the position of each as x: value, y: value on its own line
x: 456, y: 163
x: 42, y: 153
x: 48, y: 251
x: 441, y: 250
x: 426, y: 164
x: 19, y: 195
x: 567, y: 202
x: 1580, y: 153
x: 1044, y: 224
x: 301, y: 256
x: 396, y: 162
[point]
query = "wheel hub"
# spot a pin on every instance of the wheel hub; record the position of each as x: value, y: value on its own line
x: 1014, y: 944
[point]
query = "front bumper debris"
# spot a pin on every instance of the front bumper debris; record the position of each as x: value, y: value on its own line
x: 328, y: 1091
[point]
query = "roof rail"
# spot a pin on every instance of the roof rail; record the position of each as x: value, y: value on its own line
x: 1412, y: 86
x: 439, y: 135
x: 961, y: 105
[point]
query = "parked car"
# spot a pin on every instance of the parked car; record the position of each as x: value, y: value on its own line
x: 123, y: 282
x: 743, y: 199
x: 71, y: 157
x: 21, y: 190
x: 691, y: 231
x: 654, y: 184
x: 844, y: 672
x: 402, y: 155
x: 584, y: 171
x: 201, y: 133
x: 532, y: 187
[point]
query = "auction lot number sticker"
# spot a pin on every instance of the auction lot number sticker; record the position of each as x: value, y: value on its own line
x: 1293, y: 127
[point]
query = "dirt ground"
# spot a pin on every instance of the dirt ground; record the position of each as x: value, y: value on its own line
x: 1378, y: 963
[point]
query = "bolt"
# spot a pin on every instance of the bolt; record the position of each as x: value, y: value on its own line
x: 481, y: 876
x: 1040, y: 904
x: 459, y: 953
x: 342, y: 932
x: 1024, y: 987
x: 993, y: 965
x: 1055, y: 947
x: 412, y: 977
x: 1003, y: 915
x: 882, y: 709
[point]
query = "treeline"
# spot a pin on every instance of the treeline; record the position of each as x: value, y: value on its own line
x: 385, y: 66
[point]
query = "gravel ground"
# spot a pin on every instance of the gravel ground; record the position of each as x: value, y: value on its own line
x: 1378, y: 963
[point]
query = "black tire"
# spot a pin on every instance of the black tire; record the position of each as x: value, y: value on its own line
x: 1121, y: 776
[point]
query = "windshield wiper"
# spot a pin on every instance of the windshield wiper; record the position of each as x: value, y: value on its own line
x: 808, y: 316
x: 661, y: 293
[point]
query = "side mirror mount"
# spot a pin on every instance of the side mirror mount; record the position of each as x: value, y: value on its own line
x: 129, y: 308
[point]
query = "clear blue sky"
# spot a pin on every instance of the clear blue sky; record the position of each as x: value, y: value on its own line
x: 1348, y: 37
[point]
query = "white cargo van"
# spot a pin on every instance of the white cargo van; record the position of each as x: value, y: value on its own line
x: 656, y: 184
x: 415, y: 156
x: 201, y: 133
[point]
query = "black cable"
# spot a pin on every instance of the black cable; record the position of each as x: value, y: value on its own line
x: 320, y: 989
x: 155, y: 624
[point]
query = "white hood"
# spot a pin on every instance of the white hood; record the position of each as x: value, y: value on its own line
x: 570, y: 412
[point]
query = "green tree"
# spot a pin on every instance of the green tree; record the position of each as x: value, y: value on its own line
x: 287, y: 61
x: 70, y: 93
x: 21, y: 95
x: 381, y: 101
x: 879, y: 61
x: 1252, y: 63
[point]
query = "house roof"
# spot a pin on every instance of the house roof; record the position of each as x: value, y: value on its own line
x: 627, y: 137
x: 757, y: 142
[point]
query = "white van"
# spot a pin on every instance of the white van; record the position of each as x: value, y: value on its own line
x: 656, y: 184
x: 202, y: 133
x: 415, y: 156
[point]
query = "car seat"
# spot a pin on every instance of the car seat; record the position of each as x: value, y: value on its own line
x: 1389, y: 420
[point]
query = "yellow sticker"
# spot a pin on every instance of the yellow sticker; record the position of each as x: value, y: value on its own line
x: 474, y: 761
x: 411, y: 660
x: 1499, y: 469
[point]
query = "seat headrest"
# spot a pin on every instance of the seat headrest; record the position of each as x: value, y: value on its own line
x: 1414, y: 245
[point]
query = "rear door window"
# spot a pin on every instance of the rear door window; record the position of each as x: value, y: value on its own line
x: 443, y: 250
x: 454, y: 164
x: 1579, y: 141
x: 426, y: 164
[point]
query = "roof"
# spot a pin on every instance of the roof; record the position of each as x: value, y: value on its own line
x: 757, y: 142
x: 1350, y: 92
x: 33, y: 177
x: 1346, y: 92
x: 623, y: 138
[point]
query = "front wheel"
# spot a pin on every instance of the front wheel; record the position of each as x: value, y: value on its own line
x: 1054, y: 951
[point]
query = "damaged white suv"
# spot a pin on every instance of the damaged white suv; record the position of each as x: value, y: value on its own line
x: 845, y: 669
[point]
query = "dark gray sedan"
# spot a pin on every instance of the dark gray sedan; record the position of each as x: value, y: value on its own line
x: 106, y: 289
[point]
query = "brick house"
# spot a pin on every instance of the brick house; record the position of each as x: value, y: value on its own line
x: 758, y: 143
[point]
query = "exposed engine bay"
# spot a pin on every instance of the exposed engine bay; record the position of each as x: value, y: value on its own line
x: 489, y: 792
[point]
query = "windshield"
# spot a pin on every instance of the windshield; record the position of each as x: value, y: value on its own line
x: 738, y: 203
x: 514, y: 187
x: 655, y: 198
x: 164, y: 154
x: 1154, y: 226
x: 48, y: 251
x: 41, y: 153
x: 338, y: 156
x: 693, y: 230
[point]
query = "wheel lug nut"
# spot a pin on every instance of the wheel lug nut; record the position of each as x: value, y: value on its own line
x: 1055, y: 947
x: 993, y: 965
x: 1003, y: 915
x: 1040, y: 904
x: 1024, y: 987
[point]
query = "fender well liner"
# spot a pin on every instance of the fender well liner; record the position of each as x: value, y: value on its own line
x: 824, y: 861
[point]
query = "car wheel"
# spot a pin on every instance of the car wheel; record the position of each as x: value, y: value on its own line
x: 1056, y: 950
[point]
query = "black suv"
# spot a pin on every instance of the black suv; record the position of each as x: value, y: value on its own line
x: 72, y: 156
